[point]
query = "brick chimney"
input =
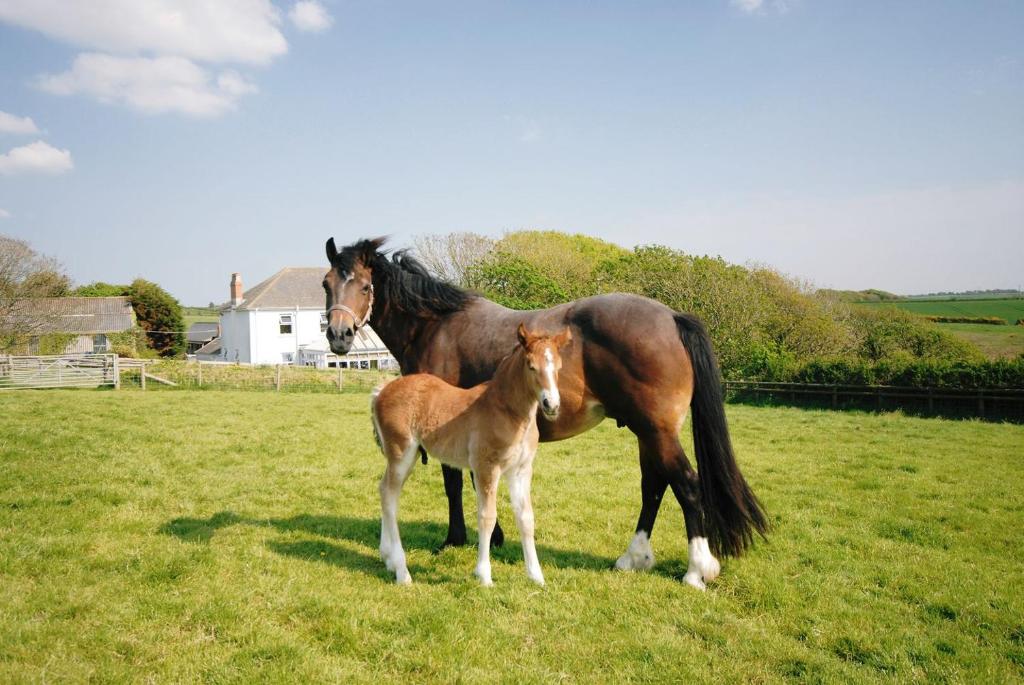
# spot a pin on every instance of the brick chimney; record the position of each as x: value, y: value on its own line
x: 236, y: 289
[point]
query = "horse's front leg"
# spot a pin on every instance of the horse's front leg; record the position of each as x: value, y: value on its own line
x: 456, y: 516
x: 487, y: 517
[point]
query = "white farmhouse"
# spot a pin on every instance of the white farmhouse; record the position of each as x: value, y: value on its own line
x: 282, y: 321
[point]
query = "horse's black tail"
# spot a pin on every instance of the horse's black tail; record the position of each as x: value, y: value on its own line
x: 731, y: 511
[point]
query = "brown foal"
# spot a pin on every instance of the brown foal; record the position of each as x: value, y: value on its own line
x: 490, y: 428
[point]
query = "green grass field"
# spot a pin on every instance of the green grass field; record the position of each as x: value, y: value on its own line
x: 996, y: 342
x: 231, y: 537
x: 193, y: 315
x: 1008, y: 309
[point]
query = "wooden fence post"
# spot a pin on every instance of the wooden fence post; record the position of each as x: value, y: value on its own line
x: 200, y: 372
x: 981, y: 403
x: 339, y: 376
x: 117, y: 373
x: 278, y: 381
x: 835, y: 396
x: 142, y: 375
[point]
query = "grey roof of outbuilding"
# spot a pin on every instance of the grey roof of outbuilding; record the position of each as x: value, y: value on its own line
x: 203, y: 331
x: 83, y: 315
x: 291, y: 287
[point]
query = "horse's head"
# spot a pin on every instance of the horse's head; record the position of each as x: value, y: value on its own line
x: 349, y: 288
x: 543, y: 362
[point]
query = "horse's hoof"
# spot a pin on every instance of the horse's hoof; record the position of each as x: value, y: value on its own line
x: 693, y: 579
x: 452, y: 541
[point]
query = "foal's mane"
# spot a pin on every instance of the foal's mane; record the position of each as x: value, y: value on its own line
x: 406, y: 283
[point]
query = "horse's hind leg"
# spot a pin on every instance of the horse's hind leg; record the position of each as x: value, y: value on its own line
x: 400, y: 463
x: 519, y: 491
x: 639, y: 556
x: 664, y: 454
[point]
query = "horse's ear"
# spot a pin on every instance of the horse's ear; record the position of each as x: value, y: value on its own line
x: 522, y: 335
x: 370, y: 248
x: 332, y: 251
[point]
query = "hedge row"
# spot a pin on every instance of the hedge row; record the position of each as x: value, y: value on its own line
x: 918, y: 374
x: 968, y: 319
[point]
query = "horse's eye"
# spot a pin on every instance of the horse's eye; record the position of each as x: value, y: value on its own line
x: 366, y: 289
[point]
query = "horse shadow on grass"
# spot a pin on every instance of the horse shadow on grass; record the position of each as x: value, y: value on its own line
x: 421, y: 535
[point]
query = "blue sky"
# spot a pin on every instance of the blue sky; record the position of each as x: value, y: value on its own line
x: 854, y: 144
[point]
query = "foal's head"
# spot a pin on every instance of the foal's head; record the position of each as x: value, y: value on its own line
x: 349, y: 289
x: 543, y: 361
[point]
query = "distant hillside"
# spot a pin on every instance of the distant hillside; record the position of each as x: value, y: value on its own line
x: 870, y: 295
x: 997, y: 294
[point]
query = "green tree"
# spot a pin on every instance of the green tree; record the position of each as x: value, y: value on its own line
x: 511, y: 281
x: 100, y: 289
x: 159, y: 314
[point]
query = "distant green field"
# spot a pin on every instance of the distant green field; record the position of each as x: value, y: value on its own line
x: 1011, y: 310
x: 996, y: 342
x: 231, y: 537
x: 196, y: 314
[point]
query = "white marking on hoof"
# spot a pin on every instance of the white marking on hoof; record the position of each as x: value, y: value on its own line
x: 536, y: 575
x: 638, y: 556
x: 403, y: 577
x: 702, y: 566
x: 693, y: 579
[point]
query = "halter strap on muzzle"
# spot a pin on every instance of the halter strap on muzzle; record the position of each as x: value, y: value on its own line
x: 348, y: 310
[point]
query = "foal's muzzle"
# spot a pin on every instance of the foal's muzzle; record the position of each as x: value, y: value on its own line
x: 549, y: 408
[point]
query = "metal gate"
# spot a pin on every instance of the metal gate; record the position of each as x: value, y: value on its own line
x: 58, y: 371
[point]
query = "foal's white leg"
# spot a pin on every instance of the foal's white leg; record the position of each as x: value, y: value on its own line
x: 390, y: 490
x: 487, y: 516
x: 522, y: 507
x: 703, y: 566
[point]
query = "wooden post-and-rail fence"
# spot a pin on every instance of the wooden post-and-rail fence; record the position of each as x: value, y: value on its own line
x: 1007, y: 403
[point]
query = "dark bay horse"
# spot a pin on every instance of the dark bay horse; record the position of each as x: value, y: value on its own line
x: 631, y: 359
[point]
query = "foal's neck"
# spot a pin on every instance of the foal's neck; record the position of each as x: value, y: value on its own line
x: 509, y: 388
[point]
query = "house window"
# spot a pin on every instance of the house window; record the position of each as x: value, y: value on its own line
x: 286, y: 324
x: 99, y: 344
x: 323, y: 322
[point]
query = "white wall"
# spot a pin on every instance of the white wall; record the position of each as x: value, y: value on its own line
x: 235, y: 336
x: 256, y: 338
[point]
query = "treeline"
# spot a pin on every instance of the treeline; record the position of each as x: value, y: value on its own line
x: 870, y: 295
x: 992, y: 320
x: 764, y: 325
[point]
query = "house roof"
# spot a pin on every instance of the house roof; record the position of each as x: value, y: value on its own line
x: 82, y: 315
x: 291, y: 287
x: 203, y: 331
x: 212, y: 347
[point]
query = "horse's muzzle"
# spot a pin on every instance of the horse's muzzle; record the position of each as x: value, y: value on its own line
x: 340, y: 339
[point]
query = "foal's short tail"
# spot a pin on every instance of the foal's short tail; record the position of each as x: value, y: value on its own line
x: 376, y: 426
x: 731, y: 511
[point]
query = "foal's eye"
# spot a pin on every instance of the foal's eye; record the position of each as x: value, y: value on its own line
x: 366, y: 289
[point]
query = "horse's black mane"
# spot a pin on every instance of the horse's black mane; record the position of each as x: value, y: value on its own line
x: 406, y: 283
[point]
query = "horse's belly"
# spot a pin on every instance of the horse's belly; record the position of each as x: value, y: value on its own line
x: 570, y: 423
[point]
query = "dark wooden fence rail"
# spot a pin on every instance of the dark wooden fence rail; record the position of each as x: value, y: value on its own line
x: 986, y: 403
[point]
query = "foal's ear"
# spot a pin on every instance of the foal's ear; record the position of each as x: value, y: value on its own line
x: 332, y: 251
x: 563, y: 338
x: 523, y: 335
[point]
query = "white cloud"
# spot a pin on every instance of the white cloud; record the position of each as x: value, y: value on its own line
x: 4, y: 214
x: 310, y: 15
x: 13, y: 124
x: 37, y: 158
x: 748, y: 6
x: 240, y: 31
x: 151, y: 85
x: 760, y: 6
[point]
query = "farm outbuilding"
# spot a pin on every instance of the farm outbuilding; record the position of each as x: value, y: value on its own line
x: 86, y: 321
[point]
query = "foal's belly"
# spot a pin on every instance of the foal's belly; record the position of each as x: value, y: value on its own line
x: 571, y: 421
